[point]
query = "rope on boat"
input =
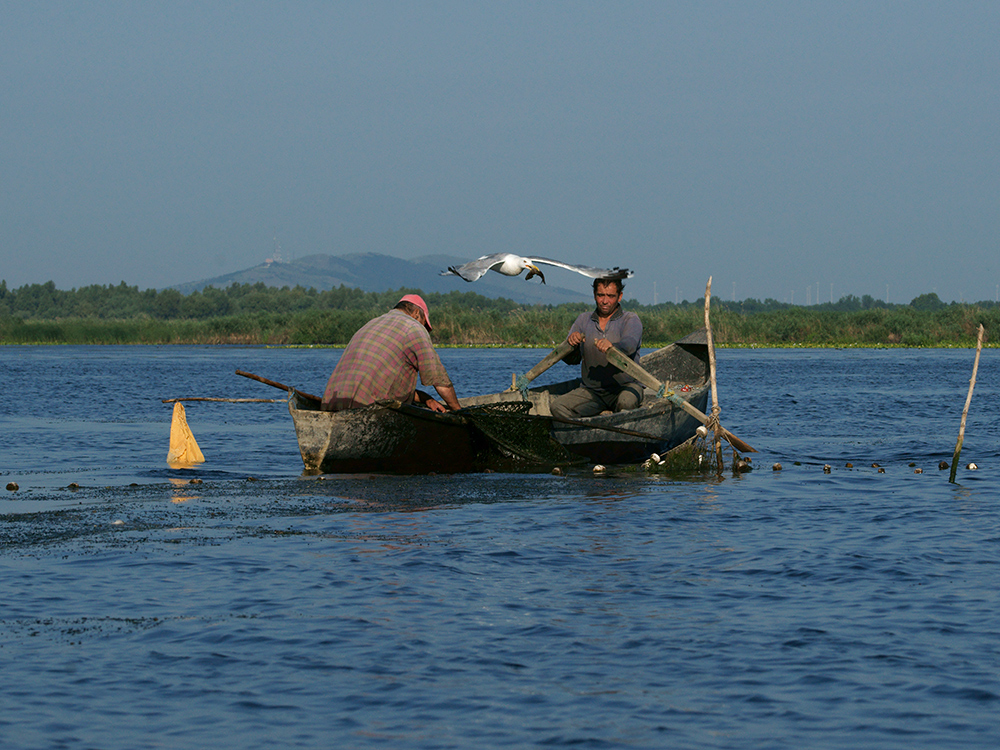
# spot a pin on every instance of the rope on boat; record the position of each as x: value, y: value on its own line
x: 521, y: 384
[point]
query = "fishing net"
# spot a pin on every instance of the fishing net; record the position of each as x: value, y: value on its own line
x: 691, y: 456
x: 518, y: 434
x: 695, y: 456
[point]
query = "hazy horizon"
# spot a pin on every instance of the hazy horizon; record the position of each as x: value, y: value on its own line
x: 716, y: 293
x: 798, y: 152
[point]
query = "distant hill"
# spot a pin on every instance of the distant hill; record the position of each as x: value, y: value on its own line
x: 371, y: 272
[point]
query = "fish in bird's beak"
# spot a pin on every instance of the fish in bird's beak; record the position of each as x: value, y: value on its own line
x: 533, y: 271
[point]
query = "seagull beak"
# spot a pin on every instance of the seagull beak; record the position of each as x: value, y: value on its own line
x: 533, y: 271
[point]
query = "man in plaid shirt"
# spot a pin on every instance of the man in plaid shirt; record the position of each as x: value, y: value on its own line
x: 383, y: 359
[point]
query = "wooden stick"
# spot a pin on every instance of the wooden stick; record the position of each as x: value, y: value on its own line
x: 716, y: 408
x: 226, y: 400
x: 965, y: 411
x: 640, y: 373
x: 276, y: 384
x: 578, y: 423
x: 550, y: 359
x: 608, y: 428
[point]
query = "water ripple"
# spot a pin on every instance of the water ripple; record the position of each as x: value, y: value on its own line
x: 780, y: 609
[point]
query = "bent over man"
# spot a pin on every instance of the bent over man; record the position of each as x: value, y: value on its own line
x: 604, y: 386
x: 383, y: 359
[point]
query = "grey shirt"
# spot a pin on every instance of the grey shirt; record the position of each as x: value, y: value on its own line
x: 624, y: 331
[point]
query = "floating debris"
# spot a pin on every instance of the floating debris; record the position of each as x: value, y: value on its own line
x: 918, y: 471
x: 827, y: 468
x: 848, y: 465
x: 600, y: 468
x: 557, y: 472
x: 12, y: 487
x: 943, y: 465
x: 972, y: 467
x: 776, y: 467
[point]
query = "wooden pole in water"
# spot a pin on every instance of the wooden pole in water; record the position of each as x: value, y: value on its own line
x: 716, y: 409
x: 226, y: 400
x: 968, y: 400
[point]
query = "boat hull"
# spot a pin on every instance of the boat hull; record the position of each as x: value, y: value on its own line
x: 390, y: 437
x: 386, y: 438
x: 665, y: 426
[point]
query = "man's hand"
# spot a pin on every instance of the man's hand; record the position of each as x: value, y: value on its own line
x: 434, y: 405
x: 447, y: 393
x: 575, y: 339
x: 603, y: 345
x: 427, y: 401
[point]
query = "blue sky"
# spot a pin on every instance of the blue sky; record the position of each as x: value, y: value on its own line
x: 786, y: 149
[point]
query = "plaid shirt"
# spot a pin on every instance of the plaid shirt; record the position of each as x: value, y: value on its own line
x: 382, y: 362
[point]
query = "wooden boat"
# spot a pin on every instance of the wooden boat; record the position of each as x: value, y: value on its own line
x: 507, y: 431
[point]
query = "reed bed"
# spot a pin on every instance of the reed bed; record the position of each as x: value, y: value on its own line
x: 454, y: 325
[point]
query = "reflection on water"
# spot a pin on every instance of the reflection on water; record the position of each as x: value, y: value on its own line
x: 182, y: 490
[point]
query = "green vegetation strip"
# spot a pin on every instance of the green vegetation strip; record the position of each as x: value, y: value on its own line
x: 257, y: 314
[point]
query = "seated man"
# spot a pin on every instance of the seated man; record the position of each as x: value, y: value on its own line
x: 593, y: 333
x: 383, y: 359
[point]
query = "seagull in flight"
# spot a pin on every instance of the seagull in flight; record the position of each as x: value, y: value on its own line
x: 511, y: 265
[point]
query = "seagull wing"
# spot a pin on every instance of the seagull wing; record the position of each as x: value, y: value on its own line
x: 594, y: 273
x: 474, y: 269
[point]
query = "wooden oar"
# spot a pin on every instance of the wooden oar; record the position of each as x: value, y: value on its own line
x: 638, y: 372
x: 550, y: 359
x: 276, y: 384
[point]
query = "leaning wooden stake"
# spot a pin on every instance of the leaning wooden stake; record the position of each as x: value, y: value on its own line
x: 716, y: 409
x: 965, y: 411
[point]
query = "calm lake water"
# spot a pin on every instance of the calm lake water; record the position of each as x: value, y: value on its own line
x: 260, y: 608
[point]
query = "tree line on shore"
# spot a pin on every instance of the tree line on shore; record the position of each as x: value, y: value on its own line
x: 262, y: 315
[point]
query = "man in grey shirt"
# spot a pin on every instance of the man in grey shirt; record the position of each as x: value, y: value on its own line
x: 604, y: 386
